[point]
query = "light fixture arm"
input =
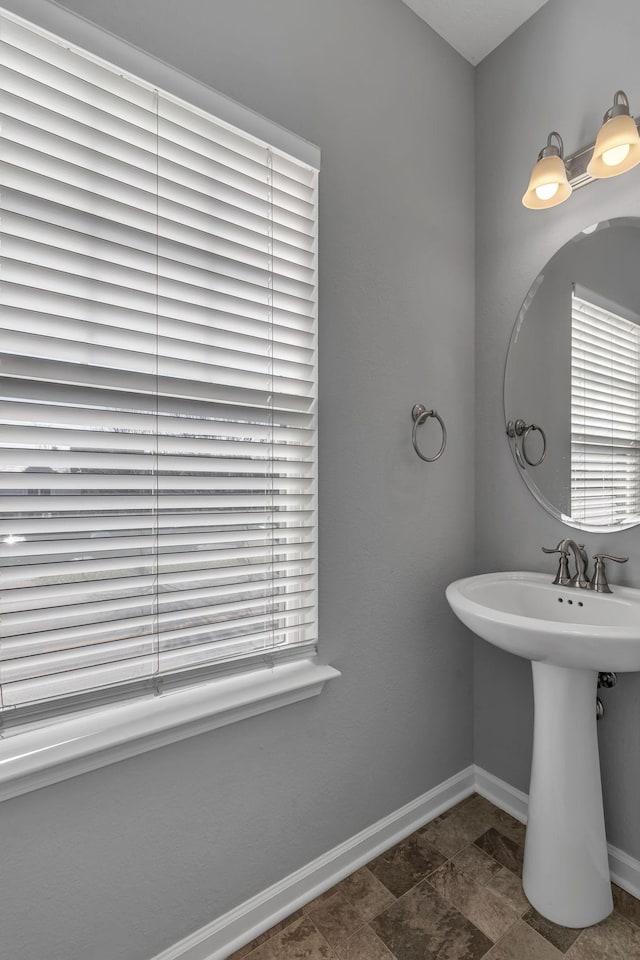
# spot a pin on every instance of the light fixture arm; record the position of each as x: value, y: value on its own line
x: 619, y: 108
x: 552, y: 149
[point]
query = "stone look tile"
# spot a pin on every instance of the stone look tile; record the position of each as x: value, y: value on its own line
x: 503, y: 822
x: 336, y: 919
x: 522, y: 942
x: 509, y: 887
x: 502, y: 849
x: 422, y: 925
x: 298, y: 941
x: 366, y: 893
x: 458, y: 830
x: 429, y: 852
x: 458, y: 806
x: 508, y: 826
x: 244, y: 951
x: 447, y: 813
x: 613, y: 939
x: 484, y: 908
x: 560, y: 937
x: 476, y: 864
x: 626, y: 905
x: 406, y: 864
x: 364, y: 945
x: 319, y: 899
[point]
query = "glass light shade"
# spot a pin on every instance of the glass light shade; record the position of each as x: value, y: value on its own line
x: 549, y: 172
x: 609, y: 154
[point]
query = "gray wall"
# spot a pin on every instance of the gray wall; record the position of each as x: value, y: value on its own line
x: 117, y: 864
x: 558, y: 72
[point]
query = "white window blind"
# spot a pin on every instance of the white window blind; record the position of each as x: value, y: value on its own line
x: 157, y: 385
x: 605, y: 406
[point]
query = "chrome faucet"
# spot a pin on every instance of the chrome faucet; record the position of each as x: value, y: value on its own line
x: 580, y: 579
x: 582, y: 561
x: 563, y: 576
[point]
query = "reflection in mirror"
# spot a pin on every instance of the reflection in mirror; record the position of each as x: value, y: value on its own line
x: 573, y: 368
x: 605, y: 360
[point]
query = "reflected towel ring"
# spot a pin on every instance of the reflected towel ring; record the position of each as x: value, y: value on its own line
x: 518, y: 428
x: 534, y: 463
x: 420, y: 415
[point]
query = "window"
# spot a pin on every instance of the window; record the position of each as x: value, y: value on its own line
x: 158, y: 386
x: 605, y: 408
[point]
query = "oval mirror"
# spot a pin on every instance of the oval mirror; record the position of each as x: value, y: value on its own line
x: 572, y: 380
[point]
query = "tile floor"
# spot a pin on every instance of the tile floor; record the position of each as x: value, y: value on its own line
x: 451, y: 891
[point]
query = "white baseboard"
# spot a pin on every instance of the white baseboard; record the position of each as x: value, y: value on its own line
x: 625, y: 870
x: 222, y: 937
x: 501, y: 794
x: 219, y: 939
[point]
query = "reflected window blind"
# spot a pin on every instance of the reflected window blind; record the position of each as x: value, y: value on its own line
x: 157, y: 385
x: 605, y: 428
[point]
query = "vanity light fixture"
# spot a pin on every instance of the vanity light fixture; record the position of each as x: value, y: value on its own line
x: 617, y: 146
x: 616, y: 150
x: 548, y: 184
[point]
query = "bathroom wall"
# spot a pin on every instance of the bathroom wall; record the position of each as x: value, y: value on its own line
x: 558, y: 72
x: 120, y: 863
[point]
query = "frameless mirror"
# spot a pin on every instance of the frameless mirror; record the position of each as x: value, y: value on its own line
x: 572, y: 380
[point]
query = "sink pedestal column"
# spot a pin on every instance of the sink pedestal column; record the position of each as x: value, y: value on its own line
x: 566, y: 868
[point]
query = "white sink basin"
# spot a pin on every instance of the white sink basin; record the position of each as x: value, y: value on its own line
x: 569, y: 634
x: 526, y: 614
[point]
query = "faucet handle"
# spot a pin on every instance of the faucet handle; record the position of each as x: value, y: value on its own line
x: 563, y: 577
x: 599, y: 581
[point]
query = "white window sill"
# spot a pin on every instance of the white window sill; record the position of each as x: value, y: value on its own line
x: 35, y: 757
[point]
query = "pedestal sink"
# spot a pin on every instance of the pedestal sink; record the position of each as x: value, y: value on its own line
x: 570, y: 635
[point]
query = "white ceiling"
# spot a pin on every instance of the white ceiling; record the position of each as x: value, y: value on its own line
x: 475, y: 27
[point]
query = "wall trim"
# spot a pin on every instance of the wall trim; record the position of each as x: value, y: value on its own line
x: 231, y: 931
x: 625, y: 870
x: 219, y: 939
x: 502, y: 794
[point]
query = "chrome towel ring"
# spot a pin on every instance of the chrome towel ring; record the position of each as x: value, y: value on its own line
x: 420, y: 415
x: 518, y: 428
